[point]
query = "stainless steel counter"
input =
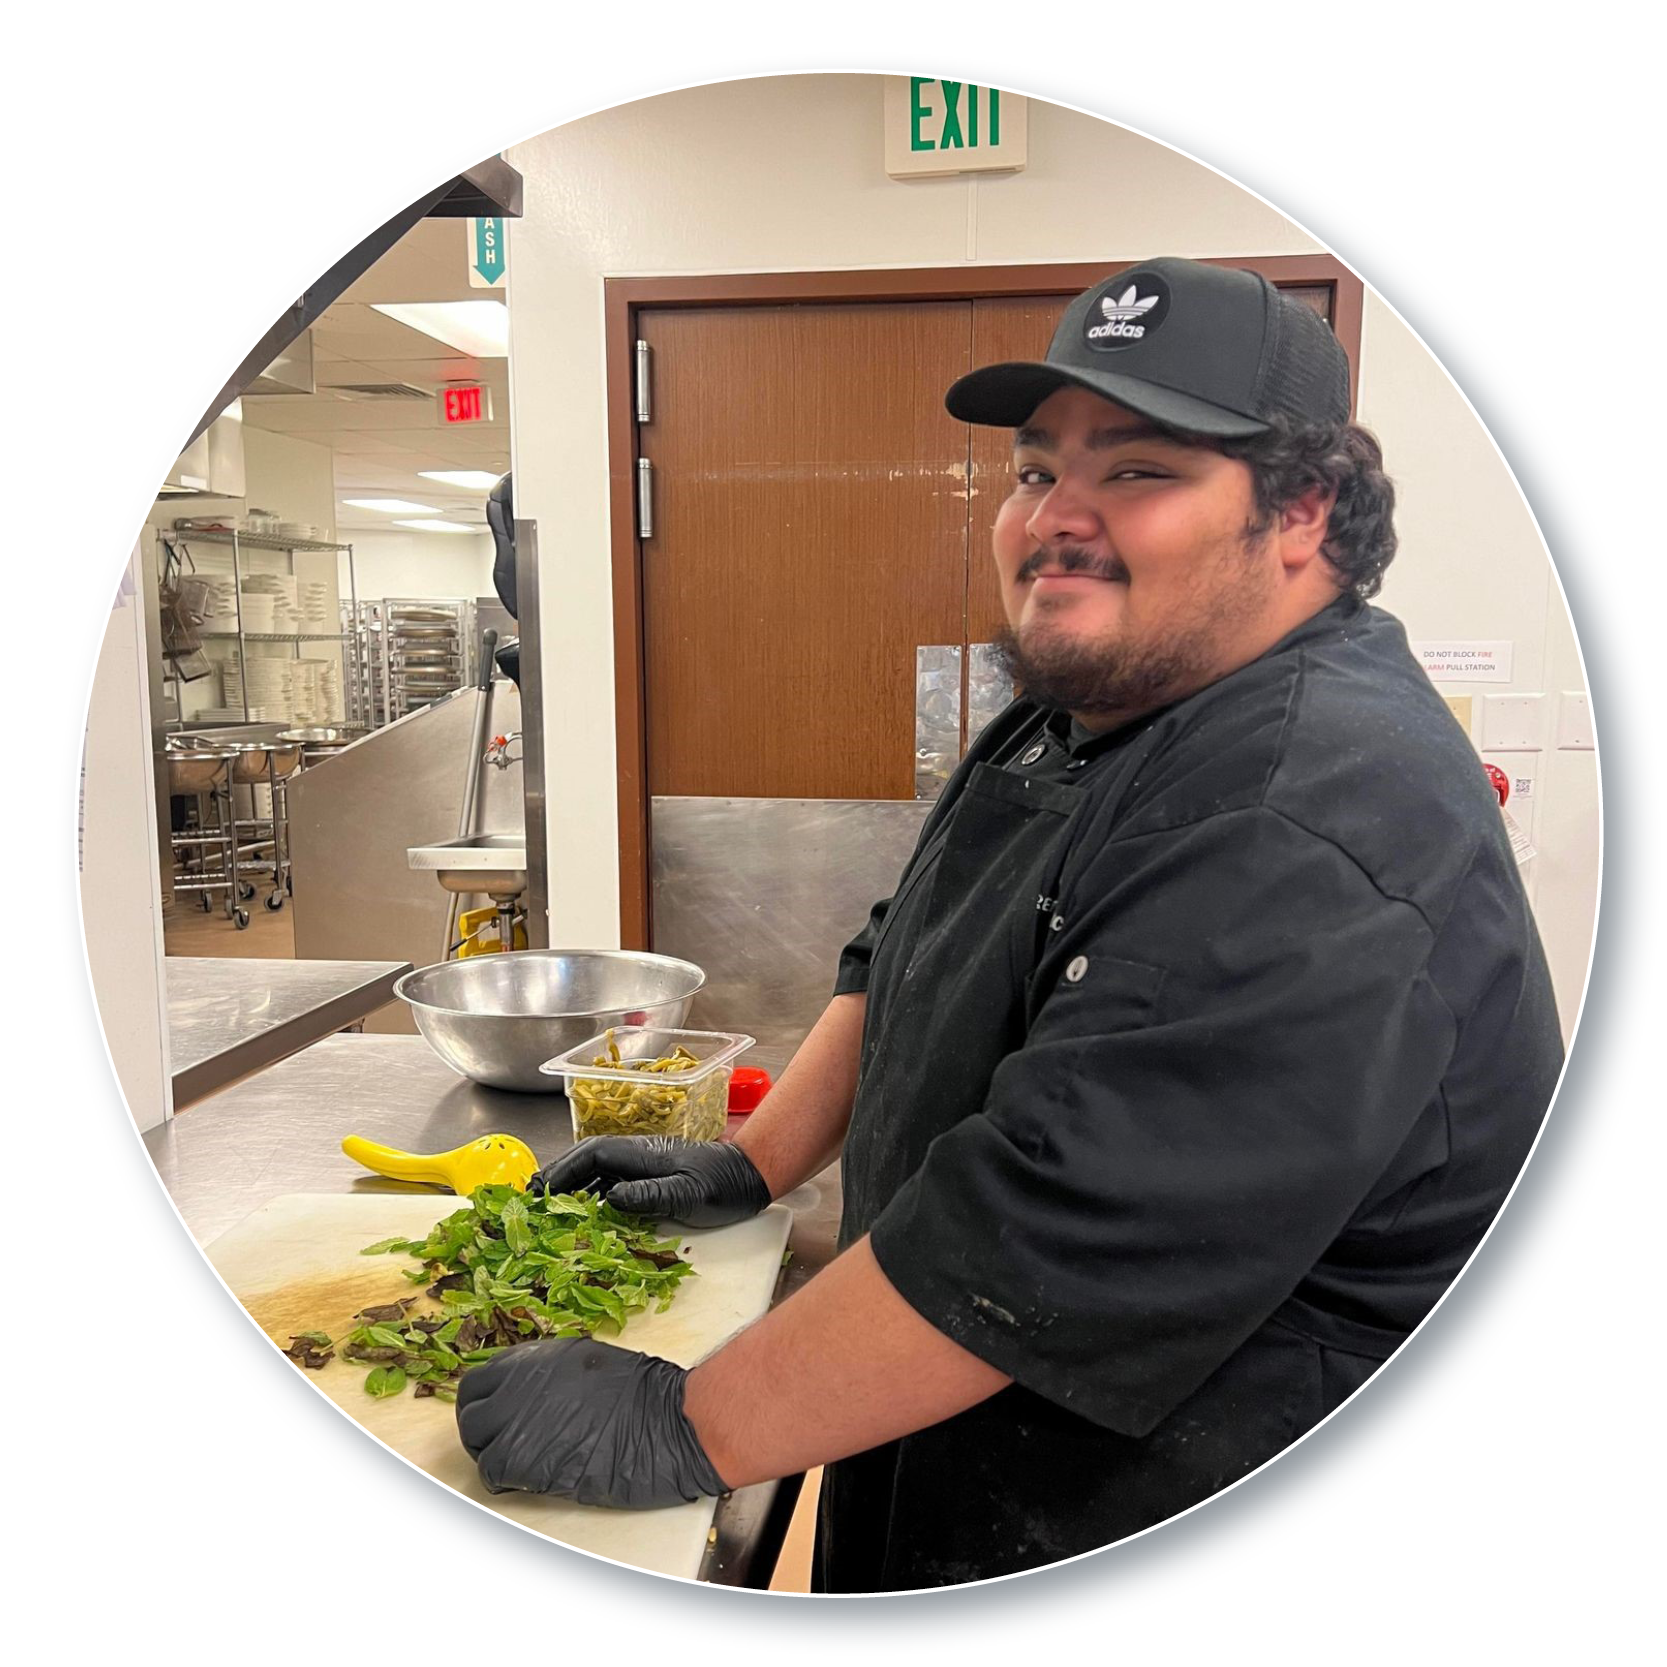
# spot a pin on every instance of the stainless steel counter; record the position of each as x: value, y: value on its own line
x: 228, y: 1017
x: 281, y: 1132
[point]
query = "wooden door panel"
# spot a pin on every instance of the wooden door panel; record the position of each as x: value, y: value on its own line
x: 809, y: 533
x: 1020, y: 328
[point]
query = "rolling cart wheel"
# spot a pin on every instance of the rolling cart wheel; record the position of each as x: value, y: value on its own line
x: 245, y: 891
x: 289, y: 885
x: 206, y: 901
x: 275, y: 901
x: 241, y: 918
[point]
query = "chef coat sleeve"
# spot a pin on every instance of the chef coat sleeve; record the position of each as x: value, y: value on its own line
x: 1230, y: 1034
x: 856, y: 957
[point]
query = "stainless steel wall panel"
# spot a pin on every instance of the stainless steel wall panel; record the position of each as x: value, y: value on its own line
x: 764, y: 893
x: 352, y: 817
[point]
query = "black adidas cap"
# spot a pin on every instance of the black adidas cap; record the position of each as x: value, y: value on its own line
x: 1209, y: 349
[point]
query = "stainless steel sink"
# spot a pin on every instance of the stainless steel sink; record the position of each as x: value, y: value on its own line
x: 493, y: 863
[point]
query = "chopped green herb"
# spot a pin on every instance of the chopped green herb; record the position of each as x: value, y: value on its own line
x: 508, y: 1269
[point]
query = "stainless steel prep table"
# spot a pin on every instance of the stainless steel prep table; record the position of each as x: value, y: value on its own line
x: 228, y: 1017
x: 281, y: 1132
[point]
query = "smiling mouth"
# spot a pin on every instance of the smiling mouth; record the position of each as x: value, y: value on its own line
x: 1039, y: 569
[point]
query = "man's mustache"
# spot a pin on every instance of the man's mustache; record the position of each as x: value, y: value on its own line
x: 1072, y: 560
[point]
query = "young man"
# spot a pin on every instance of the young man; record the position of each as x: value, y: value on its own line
x: 1202, y: 1038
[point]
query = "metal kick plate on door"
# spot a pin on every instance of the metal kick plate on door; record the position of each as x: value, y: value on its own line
x: 937, y: 716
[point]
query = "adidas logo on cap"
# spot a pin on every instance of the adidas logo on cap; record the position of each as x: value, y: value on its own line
x: 1121, y: 315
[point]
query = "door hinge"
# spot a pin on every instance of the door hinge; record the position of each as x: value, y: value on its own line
x: 645, y: 408
x: 645, y: 498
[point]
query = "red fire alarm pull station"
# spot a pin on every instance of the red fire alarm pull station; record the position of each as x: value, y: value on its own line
x: 465, y: 403
x: 1501, y: 782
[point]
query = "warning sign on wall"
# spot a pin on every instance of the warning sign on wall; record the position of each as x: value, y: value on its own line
x: 1465, y: 662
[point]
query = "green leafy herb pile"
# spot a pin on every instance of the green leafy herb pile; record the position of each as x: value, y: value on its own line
x: 508, y: 1269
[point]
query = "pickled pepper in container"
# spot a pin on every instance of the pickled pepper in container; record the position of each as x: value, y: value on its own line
x: 641, y: 1080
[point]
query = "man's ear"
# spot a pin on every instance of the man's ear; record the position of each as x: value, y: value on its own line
x: 1303, y: 524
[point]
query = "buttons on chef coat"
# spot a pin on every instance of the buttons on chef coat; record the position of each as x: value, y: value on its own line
x: 1077, y: 970
x: 1034, y: 753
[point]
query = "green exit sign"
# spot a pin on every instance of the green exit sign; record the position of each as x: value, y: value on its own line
x: 935, y: 126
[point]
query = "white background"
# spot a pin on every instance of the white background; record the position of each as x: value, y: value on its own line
x: 177, y: 175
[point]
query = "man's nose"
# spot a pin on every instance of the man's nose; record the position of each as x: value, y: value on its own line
x: 1067, y: 514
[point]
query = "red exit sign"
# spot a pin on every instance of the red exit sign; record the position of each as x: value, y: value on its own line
x: 466, y: 404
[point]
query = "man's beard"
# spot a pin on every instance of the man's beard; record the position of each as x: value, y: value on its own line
x: 1087, y: 676
x: 1072, y: 675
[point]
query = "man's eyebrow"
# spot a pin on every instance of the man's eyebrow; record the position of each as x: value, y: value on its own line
x: 1103, y: 439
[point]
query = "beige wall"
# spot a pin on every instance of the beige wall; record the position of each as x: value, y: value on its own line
x: 121, y: 906
x: 786, y: 173
x: 401, y: 563
x: 293, y: 479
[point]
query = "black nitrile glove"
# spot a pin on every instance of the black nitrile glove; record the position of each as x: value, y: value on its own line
x: 702, y: 1183
x: 579, y: 1419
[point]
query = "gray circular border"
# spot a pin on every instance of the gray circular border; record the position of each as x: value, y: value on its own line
x: 1399, y: 1402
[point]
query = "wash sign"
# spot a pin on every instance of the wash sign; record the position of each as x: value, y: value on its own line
x: 486, y: 253
x: 951, y: 127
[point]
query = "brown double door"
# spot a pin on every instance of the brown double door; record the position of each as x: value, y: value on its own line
x: 817, y: 517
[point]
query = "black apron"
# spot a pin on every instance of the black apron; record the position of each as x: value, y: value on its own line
x: 957, y: 967
x: 1017, y: 1482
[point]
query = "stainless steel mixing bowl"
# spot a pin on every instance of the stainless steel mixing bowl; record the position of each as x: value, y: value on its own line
x: 321, y: 741
x: 497, y: 1018
x: 249, y: 763
x: 198, y: 770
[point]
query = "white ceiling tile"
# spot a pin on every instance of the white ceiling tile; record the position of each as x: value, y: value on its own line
x: 379, y: 445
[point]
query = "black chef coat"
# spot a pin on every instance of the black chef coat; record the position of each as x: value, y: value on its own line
x: 1197, y: 1059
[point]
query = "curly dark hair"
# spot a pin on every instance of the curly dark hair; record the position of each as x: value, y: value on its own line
x: 1343, y: 458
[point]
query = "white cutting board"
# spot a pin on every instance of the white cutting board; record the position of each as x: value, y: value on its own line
x: 295, y: 1264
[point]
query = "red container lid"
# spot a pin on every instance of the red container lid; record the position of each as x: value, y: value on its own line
x: 748, y: 1084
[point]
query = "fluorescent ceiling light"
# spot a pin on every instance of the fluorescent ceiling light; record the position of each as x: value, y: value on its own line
x: 471, y: 480
x: 391, y: 506
x: 478, y: 328
x: 440, y: 526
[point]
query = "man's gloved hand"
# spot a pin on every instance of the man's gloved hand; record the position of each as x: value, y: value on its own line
x: 702, y: 1183
x: 584, y: 1421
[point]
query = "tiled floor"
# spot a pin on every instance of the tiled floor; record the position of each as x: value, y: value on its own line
x: 269, y: 936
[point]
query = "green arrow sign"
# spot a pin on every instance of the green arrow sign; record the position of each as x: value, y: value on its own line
x: 486, y: 253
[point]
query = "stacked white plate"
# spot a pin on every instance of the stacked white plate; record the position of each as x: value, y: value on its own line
x: 259, y: 611
x: 317, y: 605
x: 317, y: 690
x: 330, y: 688
x: 309, y: 689
x: 276, y: 597
x: 271, y: 688
x: 222, y: 601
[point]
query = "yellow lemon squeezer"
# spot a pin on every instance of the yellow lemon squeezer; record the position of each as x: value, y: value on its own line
x: 493, y: 1160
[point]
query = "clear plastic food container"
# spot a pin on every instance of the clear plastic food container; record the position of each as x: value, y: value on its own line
x: 663, y: 1082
